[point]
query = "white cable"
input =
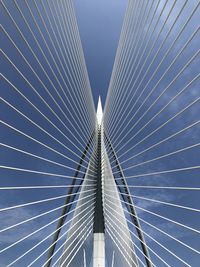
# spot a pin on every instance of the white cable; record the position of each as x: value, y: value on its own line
x: 44, y: 213
x: 160, y: 187
x: 137, y: 236
x: 169, y: 137
x: 54, y: 243
x: 162, y: 217
x: 162, y: 172
x: 42, y: 201
x: 160, y: 111
x: 160, y: 157
x: 163, y: 232
x: 125, y: 252
x: 43, y: 186
x: 42, y: 158
x: 110, y: 222
x: 67, y: 222
x: 121, y: 229
x: 165, y: 248
x: 33, y: 139
x: 159, y: 201
x: 80, y: 232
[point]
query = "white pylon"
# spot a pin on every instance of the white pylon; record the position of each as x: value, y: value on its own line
x: 99, y: 237
x: 98, y: 256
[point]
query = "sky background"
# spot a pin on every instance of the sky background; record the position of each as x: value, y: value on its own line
x: 100, y: 24
x: 18, y: 92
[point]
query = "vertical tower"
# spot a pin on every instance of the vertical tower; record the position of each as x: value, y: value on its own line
x: 99, y: 226
x: 105, y: 222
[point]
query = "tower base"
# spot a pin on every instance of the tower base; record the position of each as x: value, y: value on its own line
x: 98, y: 250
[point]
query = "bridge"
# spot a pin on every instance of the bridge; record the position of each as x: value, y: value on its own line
x: 108, y: 184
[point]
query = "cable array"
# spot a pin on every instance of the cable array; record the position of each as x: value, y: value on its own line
x: 48, y: 139
x: 151, y: 126
x: 149, y: 138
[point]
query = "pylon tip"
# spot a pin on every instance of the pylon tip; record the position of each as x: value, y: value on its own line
x: 99, y: 111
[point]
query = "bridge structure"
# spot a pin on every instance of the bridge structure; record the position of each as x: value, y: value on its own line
x: 90, y: 186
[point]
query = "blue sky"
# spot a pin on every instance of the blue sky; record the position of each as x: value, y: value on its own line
x: 100, y: 24
x: 13, y: 117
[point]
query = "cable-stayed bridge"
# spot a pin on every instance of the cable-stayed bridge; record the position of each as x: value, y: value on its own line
x: 82, y: 185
